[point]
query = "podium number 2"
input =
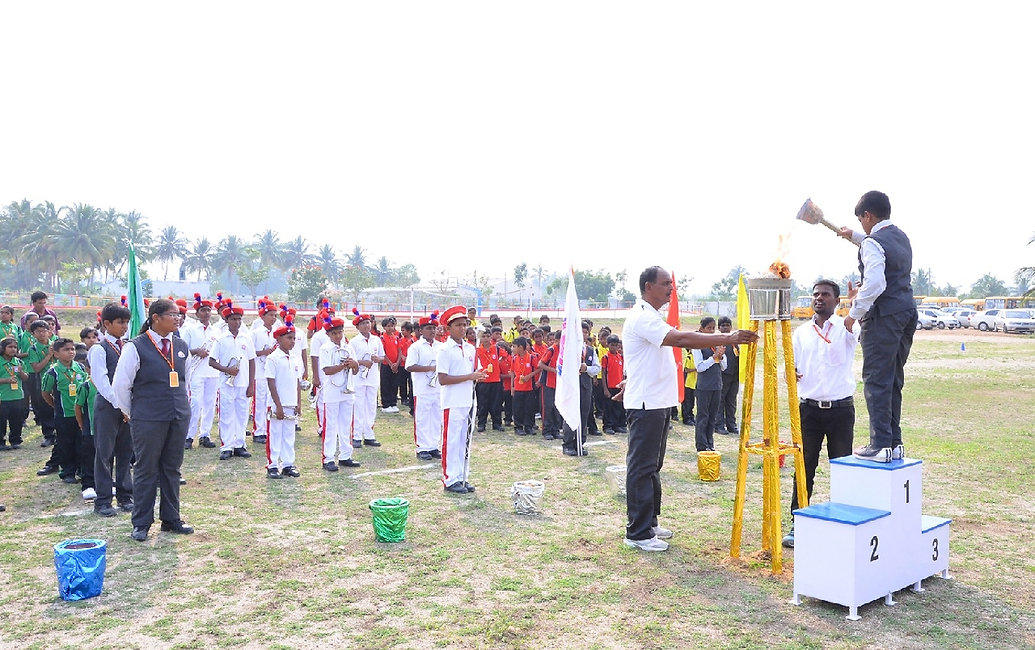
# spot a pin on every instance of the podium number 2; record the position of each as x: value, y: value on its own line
x: 906, y: 485
x: 934, y: 547
x: 873, y: 556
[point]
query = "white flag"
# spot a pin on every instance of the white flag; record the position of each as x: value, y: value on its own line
x: 570, y: 359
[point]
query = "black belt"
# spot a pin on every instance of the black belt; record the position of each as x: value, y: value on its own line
x: 824, y: 404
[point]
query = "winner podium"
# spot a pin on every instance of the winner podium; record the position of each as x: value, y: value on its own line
x: 871, y: 539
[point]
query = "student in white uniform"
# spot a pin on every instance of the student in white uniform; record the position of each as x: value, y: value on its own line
x: 234, y: 358
x: 316, y: 342
x: 337, y: 365
x: 265, y: 344
x: 299, y: 353
x: 201, y: 336
x: 457, y: 376
x: 421, y: 362
x: 369, y: 353
x: 285, y: 394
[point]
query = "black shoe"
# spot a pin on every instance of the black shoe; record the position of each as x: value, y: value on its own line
x: 126, y: 506
x: 875, y: 454
x: 206, y: 442
x: 469, y: 487
x: 183, y: 481
x: 298, y: 427
x: 348, y: 462
x: 523, y: 432
x: 140, y: 533
x: 723, y: 432
x: 609, y: 430
x: 226, y: 455
x: 456, y: 488
x: 330, y: 466
x: 595, y: 433
x: 424, y: 455
x: 47, y: 469
x: 242, y: 452
x: 16, y: 445
x: 371, y: 443
x: 188, y: 443
x: 435, y: 453
x: 105, y: 511
x: 621, y: 430
x: 571, y: 452
x: 357, y: 444
x: 291, y: 471
x: 47, y: 442
x: 259, y: 439
x: 69, y: 479
x: 480, y: 429
x: 179, y: 527
x: 4, y: 446
x: 498, y: 428
x: 273, y: 472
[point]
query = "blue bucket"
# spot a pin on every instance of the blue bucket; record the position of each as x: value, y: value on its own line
x: 80, y: 565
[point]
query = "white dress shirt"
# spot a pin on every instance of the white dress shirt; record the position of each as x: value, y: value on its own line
x: 97, y: 355
x: 873, y: 261
x: 650, y: 367
x: 126, y: 371
x: 825, y: 367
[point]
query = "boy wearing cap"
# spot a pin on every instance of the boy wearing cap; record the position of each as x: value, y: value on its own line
x: 336, y: 407
x: 285, y: 395
x: 265, y: 344
x: 457, y: 376
x: 421, y: 362
x: 390, y: 368
x: 201, y: 336
x: 370, y: 354
x: 234, y: 357
x: 300, y: 352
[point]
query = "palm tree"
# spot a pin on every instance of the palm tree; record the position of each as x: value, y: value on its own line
x: 1025, y: 276
x: 37, y: 241
x: 16, y: 221
x: 171, y: 245
x: 130, y: 229
x: 271, y: 251
x: 84, y: 235
x: 357, y: 257
x: 327, y: 259
x: 296, y: 253
x: 230, y: 254
x: 382, y: 272
x: 199, y: 258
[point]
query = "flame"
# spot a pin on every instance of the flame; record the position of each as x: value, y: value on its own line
x: 779, y: 268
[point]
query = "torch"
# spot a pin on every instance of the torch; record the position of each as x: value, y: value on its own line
x: 810, y: 213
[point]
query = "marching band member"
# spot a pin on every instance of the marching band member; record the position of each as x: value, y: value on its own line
x: 337, y: 360
x: 265, y: 344
x: 285, y: 395
x: 234, y: 357
x: 421, y: 359
x: 369, y: 353
x: 456, y: 376
x: 201, y: 337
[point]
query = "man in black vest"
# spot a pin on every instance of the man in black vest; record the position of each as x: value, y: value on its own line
x: 112, y: 441
x: 886, y: 311
x: 149, y: 388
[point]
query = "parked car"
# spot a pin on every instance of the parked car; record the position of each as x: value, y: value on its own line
x: 941, y: 319
x: 963, y: 316
x: 1015, y: 320
x: 985, y: 320
x: 923, y: 321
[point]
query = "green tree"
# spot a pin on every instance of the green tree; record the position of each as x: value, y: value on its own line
x: 171, y: 246
x: 230, y: 254
x: 296, y: 253
x: 357, y: 257
x: 1025, y: 277
x: 520, y: 274
x: 590, y: 285
x: 726, y: 288
x: 405, y: 276
x: 327, y: 260
x: 84, y: 235
x: 382, y: 272
x: 354, y: 279
x: 307, y: 284
x: 987, y: 285
x: 199, y: 258
x: 252, y: 275
x: 923, y: 282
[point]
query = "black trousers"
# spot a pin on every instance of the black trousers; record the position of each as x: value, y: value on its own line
x: 508, y: 407
x: 63, y: 453
x: 524, y: 410
x: 548, y: 408
x: 728, y: 415
x: 405, y: 386
x: 648, y: 437
x: 886, y: 341
x: 688, y: 405
x: 389, y: 386
x: 112, y: 455
x: 159, y: 453
x: 708, y: 402
x: 586, y: 411
x: 490, y: 402
x: 42, y: 411
x: 837, y: 425
x: 614, y: 412
x: 12, y: 419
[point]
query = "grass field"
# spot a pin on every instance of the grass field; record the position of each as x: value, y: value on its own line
x: 294, y: 563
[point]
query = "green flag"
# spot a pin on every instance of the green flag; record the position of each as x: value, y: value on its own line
x: 135, y: 296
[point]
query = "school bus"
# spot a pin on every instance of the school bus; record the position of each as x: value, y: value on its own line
x: 939, y: 302
x: 1009, y: 302
x: 977, y: 304
x: 919, y: 300
x: 843, y: 306
x: 803, y: 308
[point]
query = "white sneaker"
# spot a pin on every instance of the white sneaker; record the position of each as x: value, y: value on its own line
x: 390, y: 409
x: 898, y: 452
x: 89, y: 494
x: 661, y: 533
x: 114, y: 490
x: 652, y: 544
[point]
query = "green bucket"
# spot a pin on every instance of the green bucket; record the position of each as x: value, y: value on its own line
x: 390, y: 518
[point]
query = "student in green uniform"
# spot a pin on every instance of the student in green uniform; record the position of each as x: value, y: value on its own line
x: 39, y: 356
x: 10, y: 329
x: 12, y: 395
x: 60, y: 385
x: 83, y: 408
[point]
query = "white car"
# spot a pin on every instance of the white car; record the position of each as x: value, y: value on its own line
x: 985, y: 320
x: 963, y: 316
x: 941, y: 319
x: 1015, y: 320
x: 923, y: 321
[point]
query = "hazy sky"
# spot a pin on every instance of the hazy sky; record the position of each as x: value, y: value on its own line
x: 468, y: 136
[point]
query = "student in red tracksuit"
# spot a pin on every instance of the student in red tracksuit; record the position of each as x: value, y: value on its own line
x: 548, y: 365
x: 507, y: 374
x: 613, y: 368
x: 390, y: 367
x: 524, y: 367
x: 406, y: 339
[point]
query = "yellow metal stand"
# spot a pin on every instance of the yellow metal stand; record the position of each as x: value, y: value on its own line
x: 771, y: 449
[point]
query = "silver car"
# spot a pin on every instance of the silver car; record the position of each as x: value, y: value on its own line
x: 941, y: 319
x: 1015, y: 320
x: 985, y: 320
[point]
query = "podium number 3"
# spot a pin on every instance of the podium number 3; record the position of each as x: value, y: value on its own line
x: 906, y: 485
x: 934, y: 547
x: 873, y: 556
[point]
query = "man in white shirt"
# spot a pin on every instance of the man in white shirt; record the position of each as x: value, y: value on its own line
x: 234, y: 357
x: 421, y: 361
x: 201, y: 337
x: 336, y: 366
x: 369, y: 353
x: 823, y: 354
x: 265, y: 344
x: 456, y: 377
x: 651, y: 390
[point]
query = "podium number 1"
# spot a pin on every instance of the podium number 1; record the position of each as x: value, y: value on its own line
x: 906, y: 485
x: 873, y: 556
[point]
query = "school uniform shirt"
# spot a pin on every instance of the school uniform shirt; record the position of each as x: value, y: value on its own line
x: 329, y: 356
x: 11, y: 392
x: 486, y: 358
x: 613, y: 367
x: 301, y: 344
x: 404, y: 348
x: 423, y: 353
x: 316, y: 344
x: 241, y: 347
x: 11, y: 330
x: 709, y: 372
x: 691, y: 377
x: 523, y: 366
x: 506, y: 367
x: 284, y: 372
x: 601, y: 351
x: 37, y: 351
x: 98, y: 357
x: 551, y: 358
x: 823, y: 356
x: 262, y: 339
x: 365, y: 350
x: 197, y: 336
x: 63, y: 383
x: 390, y: 343
x: 456, y: 359
x: 84, y: 398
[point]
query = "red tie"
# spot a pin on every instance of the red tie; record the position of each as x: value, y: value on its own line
x: 165, y: 348
x: 119, y: 343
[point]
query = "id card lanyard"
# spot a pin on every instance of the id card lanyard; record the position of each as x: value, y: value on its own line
x: 174, y: 377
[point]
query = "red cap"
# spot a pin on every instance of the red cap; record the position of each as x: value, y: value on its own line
x: 331, y: 323
x: 229, y: 310
x: 429, y: 320
x: 288, y: 326
x: 360, y: 317
x: 199, y: 303
x: 454, y: 312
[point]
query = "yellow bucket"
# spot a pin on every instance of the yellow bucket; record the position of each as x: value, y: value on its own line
x: 709, y: 463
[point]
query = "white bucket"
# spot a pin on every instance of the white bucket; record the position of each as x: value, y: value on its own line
x: 526, y: 495
x: 615, y: 475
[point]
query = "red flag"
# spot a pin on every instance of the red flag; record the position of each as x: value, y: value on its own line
x: 673, y: 320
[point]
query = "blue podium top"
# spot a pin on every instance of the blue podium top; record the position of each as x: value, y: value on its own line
x: 842, y: 513
x: 869, y: 464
